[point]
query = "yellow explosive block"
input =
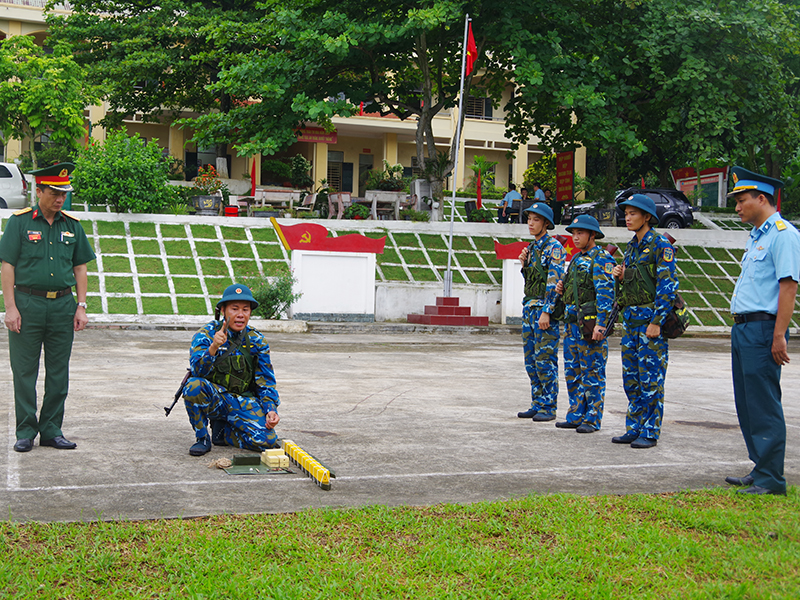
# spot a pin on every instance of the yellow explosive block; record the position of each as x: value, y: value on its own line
x: 308, y: 464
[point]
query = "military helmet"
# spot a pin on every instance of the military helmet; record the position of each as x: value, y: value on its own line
x: 644, y: 204
x: 541, y: 209
x: 237, y: 291
x: 587, y: 222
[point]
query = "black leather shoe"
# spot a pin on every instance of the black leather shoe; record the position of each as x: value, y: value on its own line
x: 585, y: 428
x: 218, y: 433
x: 23, y: 445
x: 742, y: 481
x: 643, y: 442
x: 527, y: 414
x: 625, y: 439
x: 202, y: 446
x: 540, y: 418
x: 59, y: 442
x: 755, y: 490
x: 567, y: 425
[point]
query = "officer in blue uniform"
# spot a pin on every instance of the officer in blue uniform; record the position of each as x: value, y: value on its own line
x: 762, y: 306
x: 543, y: 267
x: 588, y: 292
x: 647, y: 289
x: 232, y: 383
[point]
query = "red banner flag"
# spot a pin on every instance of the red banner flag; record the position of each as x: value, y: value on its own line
x: 253, y: 178
x: 472, y: 51
x: 479, y: 204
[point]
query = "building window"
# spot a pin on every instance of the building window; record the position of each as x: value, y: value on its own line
x: 479, y: 108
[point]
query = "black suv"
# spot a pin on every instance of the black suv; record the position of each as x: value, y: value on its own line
x: 672, y: 206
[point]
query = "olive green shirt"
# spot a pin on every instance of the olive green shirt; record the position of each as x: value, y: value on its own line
x: 44, y: 255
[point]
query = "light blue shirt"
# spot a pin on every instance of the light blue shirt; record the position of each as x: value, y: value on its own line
x: 539, y: 196
x: 509, y: 197
x: 772, y: 254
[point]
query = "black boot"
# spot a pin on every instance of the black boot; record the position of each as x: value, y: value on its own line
x: 218, y: 433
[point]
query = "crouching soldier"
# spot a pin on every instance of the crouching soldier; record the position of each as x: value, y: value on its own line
x: 588, y: 292
x: 232, y: 384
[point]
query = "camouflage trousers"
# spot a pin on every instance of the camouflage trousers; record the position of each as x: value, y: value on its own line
x: 644, y: 367
x: 244, y: 417
x: 541, y: 360
x: 585, y: 372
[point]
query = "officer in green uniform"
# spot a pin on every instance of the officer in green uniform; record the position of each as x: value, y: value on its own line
x: 44, y: 254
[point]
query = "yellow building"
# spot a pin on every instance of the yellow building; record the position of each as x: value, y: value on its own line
x: 359, y: 144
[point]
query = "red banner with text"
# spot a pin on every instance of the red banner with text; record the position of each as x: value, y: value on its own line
x: 565, y: 176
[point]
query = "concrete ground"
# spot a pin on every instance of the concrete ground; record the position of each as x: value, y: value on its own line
x: 402, y: 418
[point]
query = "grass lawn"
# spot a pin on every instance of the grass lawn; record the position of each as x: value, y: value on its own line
x: 710, y: 544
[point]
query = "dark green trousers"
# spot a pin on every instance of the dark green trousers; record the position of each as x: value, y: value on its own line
x: 49, y: 324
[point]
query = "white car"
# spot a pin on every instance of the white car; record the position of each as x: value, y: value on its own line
x: 13, y: 187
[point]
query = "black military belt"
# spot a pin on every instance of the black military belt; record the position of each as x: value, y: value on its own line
x: 754, y: 316
x: 42, y: 293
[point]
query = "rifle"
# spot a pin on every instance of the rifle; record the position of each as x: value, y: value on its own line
x: 168, y: 409
x: 614, y: 314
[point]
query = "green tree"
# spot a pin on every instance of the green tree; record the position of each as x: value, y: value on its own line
x: 401, y: 58
x: 542, y: 171
x: 125, y: 173
x: 674, y: 83
x: 41, y: 92
x: 160, y: 59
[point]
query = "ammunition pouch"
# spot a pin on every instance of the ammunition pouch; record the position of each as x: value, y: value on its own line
x: 234, y: 372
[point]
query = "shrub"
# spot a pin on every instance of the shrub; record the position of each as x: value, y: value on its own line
x: 481, y: 215
x: 356, y: 211
x: 414, y: 215
x: 124, y: 173
x: 300, y: 169
x: 274, y: 295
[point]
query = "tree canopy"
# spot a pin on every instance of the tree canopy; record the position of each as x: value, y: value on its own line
x: 41, y: 92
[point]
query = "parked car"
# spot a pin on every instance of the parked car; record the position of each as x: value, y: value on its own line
x: 673, y: 208
x: 13, y: 187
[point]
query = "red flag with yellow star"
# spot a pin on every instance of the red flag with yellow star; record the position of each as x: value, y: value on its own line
x: 472, y: 51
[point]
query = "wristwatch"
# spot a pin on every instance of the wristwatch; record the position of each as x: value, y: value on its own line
x: 82, y: 305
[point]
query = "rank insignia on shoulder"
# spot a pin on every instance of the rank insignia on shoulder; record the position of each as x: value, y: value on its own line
x: 780, y: 225
x: 669, y: 255
x: 608, y: 268
x: 23, y: 211
x: 73, y: 217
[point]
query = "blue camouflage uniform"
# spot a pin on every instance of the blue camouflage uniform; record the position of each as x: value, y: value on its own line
x: 772, y: 254
x: 644, y: 360
x: 585, y: 361
x: 541, y: 346
x: 244, y: 415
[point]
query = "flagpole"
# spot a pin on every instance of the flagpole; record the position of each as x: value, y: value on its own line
x: 448, y: 275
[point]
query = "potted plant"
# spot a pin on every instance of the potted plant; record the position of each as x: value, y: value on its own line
x: 207, y: 183
x: 481, y: 215
x: 356, y: 211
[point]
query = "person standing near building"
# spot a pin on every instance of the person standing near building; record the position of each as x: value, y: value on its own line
x: 762, y: 305
x: 588, y: 292
x: 44, y: 254
x: 507, y: 204
x: 647, y: 288
x: 543, y: 267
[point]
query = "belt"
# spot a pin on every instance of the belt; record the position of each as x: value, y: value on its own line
x: 42, y: 293
x: 753, y: 316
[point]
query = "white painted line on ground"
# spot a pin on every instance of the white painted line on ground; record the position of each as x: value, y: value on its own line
x: 245, y: 479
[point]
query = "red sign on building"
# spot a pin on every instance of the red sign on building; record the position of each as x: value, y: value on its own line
x: 565, y: 176
x: 316, y: 134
